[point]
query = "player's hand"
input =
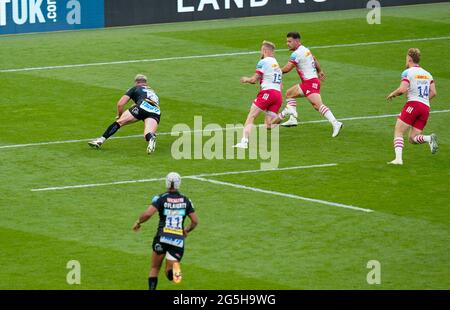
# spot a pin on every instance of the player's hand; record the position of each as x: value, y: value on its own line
x: 390, y: 96
x: 117, y: 117
x: 185, y: 233
x: 136, y: 226
x: 244, y: 79
x: 322, y: 76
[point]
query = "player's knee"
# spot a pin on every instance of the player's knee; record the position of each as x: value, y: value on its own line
x: 290, y: 94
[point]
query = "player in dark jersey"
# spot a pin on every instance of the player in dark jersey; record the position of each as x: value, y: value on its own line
x: 173, y: 208
x: 145, y: 108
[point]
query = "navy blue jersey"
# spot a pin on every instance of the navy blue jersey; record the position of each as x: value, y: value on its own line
x: 142, y: 93
x: 173, y: 208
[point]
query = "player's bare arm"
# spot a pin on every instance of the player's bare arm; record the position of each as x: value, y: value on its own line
x: 403, y: 88
x: 433, y: 92
x: 251, y: 80
x: 320, y: 72
x: 144, y: 217
x: 194, y: 222
x: 121, y: 104
x: 288, y: 67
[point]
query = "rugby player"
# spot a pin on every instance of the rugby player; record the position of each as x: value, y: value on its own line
x: 146, y: 109
x: 269, y: 98
x: 420, y: 88
x: 168, y: 243
x: 310, y: 72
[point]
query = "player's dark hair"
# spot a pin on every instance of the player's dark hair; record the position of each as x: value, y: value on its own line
x: 293, y: 35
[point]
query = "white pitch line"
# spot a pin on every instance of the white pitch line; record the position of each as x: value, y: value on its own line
x: 254, y: 189
x: 213, y: 55
x: 185, y: 177
x: 13, y: 146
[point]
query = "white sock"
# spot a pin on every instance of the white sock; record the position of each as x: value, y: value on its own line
x: 326, y: 112
x: 419, y: 139
x: 292, y: 103
x: 398, y: 147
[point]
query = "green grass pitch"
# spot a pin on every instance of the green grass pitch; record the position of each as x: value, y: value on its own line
x: 246, y: 239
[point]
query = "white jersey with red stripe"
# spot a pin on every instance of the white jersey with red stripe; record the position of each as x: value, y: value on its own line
x: 271, y: 74
x: 419, y: 81
x: 303, y: 59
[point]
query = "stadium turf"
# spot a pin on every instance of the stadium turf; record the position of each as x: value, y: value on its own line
x: 246, y: 239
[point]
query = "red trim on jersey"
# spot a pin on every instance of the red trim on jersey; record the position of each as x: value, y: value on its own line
x: 300, y: 74
x: 293, y: 62
x: 259, y: 72
x: 406, y: 80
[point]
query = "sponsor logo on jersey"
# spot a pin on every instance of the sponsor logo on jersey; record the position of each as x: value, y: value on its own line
x: 175, y: 200
x: 181, y: 212
x: 172, y: 241
x: 422, y: 77
x: 172, y: 231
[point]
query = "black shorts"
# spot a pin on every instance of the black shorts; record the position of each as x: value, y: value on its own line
x: 141, y: 114
x: 163, y: 248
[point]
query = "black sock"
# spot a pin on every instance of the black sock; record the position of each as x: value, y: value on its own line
x: 112, y: 129
x: 169, y: 274
x: 152, y: 283
x: 149, y: 136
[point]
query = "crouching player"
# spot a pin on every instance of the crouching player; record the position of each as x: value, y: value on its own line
x: 145, y: 108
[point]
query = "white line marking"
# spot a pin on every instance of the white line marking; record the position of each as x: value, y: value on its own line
x: 254, y: 189
x: 213, y: 55
x: 13, y: 146
x: 185, y: 177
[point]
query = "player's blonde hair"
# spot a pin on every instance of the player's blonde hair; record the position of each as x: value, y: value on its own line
x: 269, y: 45
x: 140, y: 78
x: 414, y: 53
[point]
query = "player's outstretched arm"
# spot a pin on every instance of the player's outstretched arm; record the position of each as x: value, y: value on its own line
x: 403, y: 88
x: 144, y: 217
x: 251, y: 80
x: 120, y: 105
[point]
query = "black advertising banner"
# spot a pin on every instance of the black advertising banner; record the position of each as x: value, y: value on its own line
x: 136, y: 12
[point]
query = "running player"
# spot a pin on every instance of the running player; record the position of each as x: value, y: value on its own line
x: 420, y: 88
x: 269, y: 99
x: 173, y: 208
x: 146, y: 109
x: 310, y: 72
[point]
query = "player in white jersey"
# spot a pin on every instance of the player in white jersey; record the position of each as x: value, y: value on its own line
x: 308, y: 68
x: 269, y: 98
x: 420, y: 88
